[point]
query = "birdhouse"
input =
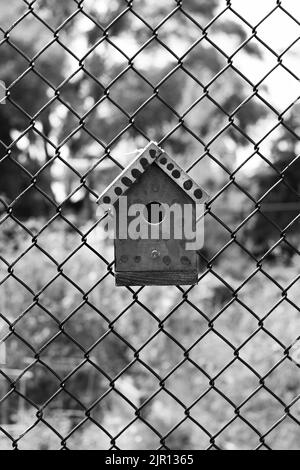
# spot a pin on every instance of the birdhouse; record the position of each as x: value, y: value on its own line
x: 154, y: 205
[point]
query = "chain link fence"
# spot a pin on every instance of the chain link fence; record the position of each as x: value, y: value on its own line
x: 85, y: 364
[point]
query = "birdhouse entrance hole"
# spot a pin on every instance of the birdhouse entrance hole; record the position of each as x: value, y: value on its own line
x: 154, y: 212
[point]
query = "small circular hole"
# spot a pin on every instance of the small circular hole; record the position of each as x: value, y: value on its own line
x: 198, y: 193
x: 118, y: 191
x: 188, y: 184
x: 154, y: 212
x: 136, y: 173
x: 185, y: 260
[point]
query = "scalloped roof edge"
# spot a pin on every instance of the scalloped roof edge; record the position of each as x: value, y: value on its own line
x: 152, y: 153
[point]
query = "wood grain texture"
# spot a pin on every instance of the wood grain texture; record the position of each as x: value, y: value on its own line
x: 155, y: 185
x: 156, y: 278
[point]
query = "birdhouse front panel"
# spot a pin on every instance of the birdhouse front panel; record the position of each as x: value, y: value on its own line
x: 157, y: 184
x: 159, y: 256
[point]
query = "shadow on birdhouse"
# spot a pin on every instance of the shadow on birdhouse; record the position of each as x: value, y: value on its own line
x: 157, y: 212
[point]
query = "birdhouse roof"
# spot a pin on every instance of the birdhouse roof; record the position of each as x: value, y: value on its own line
x: 152, y: 153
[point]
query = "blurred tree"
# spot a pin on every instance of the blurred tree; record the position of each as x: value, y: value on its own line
x: 26, y: 113
x: 281, y: 194
x: 155, y: 91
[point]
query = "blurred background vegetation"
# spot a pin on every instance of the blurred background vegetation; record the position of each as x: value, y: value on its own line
x: 72, y: 332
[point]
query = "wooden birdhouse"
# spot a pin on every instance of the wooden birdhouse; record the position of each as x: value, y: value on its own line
x: 151, y: 243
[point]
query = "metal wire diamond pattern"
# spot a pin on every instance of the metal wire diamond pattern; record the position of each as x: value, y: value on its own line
x: 184, y: 294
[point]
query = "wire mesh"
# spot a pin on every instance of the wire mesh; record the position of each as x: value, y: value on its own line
x: 163, y: 332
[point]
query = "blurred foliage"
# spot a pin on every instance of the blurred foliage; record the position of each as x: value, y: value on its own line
x: 37, y: 341
x: 278, y: 186
x: 81, y: 337
x: 32, y: 64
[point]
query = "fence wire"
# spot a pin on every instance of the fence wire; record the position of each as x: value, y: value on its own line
x: 12, y: 379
